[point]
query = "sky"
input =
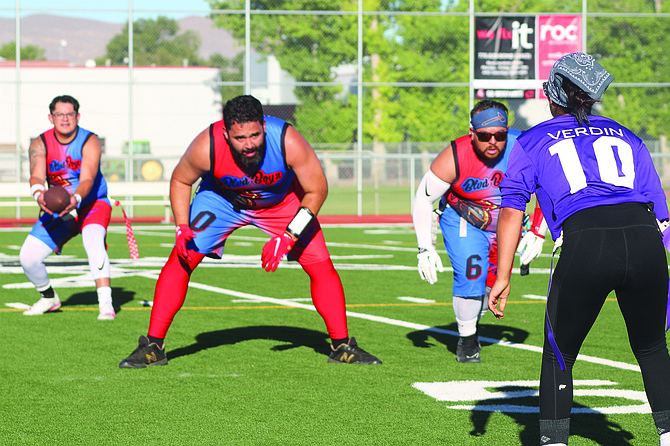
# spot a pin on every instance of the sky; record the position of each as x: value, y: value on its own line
x: 115, y: 11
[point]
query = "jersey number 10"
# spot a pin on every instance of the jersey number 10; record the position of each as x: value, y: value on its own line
x: 614, y: 166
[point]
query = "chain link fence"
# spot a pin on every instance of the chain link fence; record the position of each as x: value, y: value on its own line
x: 378, y: 88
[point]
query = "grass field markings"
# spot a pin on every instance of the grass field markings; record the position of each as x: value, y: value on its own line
x: 389, y: 232
x: 399, y: 323
x: 342, y: 245
x: 160, y: 262
x: 141, y: 232
x: 461, y: 391
x: 380, y: 247
x: 17, y: 306
x: 83, y: 280
x: 373, y: 267
x: 458, y: 391
x: 145, y: 303
x: 124, y: 377
x: 14, y: 229
x: 369, y: 225
x: 358, y: 257
x: 417, y: 300
x: 297, y: 299
x: 227, y: 261
x: 534, y: 296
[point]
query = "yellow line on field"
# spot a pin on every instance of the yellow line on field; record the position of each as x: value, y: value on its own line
x: 266, y: 307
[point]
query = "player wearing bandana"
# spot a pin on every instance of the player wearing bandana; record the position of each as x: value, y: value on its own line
x: 465, y: 177
x: 596, y: 184
x: 256, y: 170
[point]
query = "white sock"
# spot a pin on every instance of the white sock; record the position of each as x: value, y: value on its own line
x: 468, y: 313
x: 665, y: 439
x: 466, y: 328
x: 104, y: 294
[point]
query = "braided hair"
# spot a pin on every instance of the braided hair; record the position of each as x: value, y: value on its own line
x: 580, y: 103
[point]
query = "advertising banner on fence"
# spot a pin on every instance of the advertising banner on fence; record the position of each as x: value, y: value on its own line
x: 557, y: 36
x: 505, y: 47
x: 514, y: 54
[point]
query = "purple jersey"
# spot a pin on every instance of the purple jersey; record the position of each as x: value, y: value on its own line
x: 571, y: 167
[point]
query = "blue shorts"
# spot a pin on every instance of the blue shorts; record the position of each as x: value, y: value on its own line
x: 213, y: 219
x: 468, y: 248
x: 55, y: 232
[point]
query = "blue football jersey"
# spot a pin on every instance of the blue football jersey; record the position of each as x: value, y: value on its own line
x: 571, y: 167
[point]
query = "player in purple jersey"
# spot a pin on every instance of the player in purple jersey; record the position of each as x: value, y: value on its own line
x: 69, y: 156
x: 603, y: 200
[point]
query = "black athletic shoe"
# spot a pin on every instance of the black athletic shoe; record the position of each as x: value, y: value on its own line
x: 468, y: 349
x: 145, y: 354
x: 351, y: 353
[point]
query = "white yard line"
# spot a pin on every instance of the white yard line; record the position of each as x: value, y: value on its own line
x: 252, y: 262
x: 396, y: 322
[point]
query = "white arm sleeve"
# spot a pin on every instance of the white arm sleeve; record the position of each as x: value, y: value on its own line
x: 430, y: 190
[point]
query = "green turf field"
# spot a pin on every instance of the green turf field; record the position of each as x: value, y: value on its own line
x: 342, y: 200
x: 247, y: 355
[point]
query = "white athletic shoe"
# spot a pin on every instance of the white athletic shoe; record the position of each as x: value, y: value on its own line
x: 106, y: 311
x: 43, y: 305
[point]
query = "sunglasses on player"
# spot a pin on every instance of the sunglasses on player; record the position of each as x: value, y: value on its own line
x: 486, y: 136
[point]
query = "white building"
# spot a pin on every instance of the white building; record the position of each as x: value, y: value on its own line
x: 167, y: 106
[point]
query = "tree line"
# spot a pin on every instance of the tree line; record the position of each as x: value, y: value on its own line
x: 411, y: 49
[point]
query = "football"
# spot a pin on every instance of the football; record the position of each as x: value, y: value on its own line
x: 57, y: 198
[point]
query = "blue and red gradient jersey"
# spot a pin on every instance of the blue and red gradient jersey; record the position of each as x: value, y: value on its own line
x: 571, y: 167
x: 268, y: 186
x: 475, y: 193
x: 64, y: 165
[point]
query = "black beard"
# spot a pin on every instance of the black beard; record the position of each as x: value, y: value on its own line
x: 249, y: 163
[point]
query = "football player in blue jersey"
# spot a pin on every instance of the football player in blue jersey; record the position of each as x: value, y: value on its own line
x: 68, y: 155
x: 603, y: 202
x: 465, y: 177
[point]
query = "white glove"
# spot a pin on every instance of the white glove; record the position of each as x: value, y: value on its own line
x: 429, y: 264
x: 530, y: 248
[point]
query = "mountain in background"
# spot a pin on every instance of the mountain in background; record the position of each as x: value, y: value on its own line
x: 87, y: 39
